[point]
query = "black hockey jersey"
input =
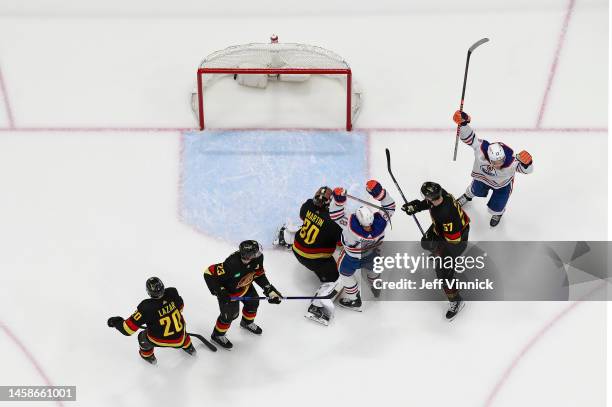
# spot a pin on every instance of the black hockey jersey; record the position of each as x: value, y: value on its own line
x: 319, y: 234
x: 235, y: 276
x: 163, y: 317
x: 449, y: 220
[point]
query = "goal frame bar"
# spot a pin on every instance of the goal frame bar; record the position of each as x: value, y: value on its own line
x: 276, y: 71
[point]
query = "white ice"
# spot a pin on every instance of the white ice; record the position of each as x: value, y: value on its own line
x: 87, y: 215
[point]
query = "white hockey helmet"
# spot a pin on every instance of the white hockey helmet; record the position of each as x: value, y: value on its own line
x: 365, y: 216
x: 496, y: 153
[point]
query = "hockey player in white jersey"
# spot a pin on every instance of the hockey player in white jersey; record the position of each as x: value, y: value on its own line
x: 362, y: 235
x: 494, y: 167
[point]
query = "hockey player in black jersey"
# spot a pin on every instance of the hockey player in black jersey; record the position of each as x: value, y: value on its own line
x: 447, y: 235
x: 234, y: 278
x: 162, y: 314
x: 314, y: 246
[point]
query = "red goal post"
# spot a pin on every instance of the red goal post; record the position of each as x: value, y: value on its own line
x: 275, y: 60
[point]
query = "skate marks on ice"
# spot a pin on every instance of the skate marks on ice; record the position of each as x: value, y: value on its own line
x: 244, y: 184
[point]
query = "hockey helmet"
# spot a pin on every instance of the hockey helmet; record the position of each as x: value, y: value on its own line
x: 496, y: 153
x: 249, y: 249
x: 365, y: 216
x: 431, y: 190
x: 155, y: 287
x: 322, y: 197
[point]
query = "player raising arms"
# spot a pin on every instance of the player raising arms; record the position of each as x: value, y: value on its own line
x: 494, y: 167
x: 313, y: 245
x: 447, y: 235
x: 361, y: 236
x: 234, y: 278
x: 162, y: 313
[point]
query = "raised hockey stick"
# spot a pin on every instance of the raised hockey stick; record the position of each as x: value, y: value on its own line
x: 204, y: 341
x: 467, y: 64
x: 372, y: 205
x: 399, y: 189
x: 325, y: 297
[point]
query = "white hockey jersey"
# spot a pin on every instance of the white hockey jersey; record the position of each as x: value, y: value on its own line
x: 483, y: 170
x: 357, y: 242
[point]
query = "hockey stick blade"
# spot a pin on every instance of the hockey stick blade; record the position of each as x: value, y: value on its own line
x: 477, y: 44
x: 388, y: 153
x: 204, y: 341
x: 373, y: 206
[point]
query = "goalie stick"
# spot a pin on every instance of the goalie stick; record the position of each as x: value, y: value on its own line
x: 467, y: 64
x: 399, y: 189
x: 372, y: 205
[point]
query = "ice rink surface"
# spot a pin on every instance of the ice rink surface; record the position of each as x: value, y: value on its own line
x: 94, y: 115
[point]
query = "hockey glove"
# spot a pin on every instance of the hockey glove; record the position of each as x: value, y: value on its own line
x: 340, y: 195
x: 375, y: 189
x: 223, y: 296
x: 274, y: 297
x: 114, y: 321
x: 461, y: 118
x: 412, y: 207
x: 524, y: 158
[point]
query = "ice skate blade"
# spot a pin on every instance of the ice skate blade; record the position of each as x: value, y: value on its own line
x: 461, y: 306
x: 317, y: 320
x: 356, y: 309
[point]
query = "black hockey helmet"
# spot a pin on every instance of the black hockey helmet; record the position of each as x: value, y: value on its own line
x: 322, y: 197
x: 249, y: 249
x: 431, y: 190
x: 155, y: 287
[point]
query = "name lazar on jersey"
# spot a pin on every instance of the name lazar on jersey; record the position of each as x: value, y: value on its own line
x: 166, y: 309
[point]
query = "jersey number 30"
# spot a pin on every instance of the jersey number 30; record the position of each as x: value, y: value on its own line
x: 309, y: 232
x: 167, y: 323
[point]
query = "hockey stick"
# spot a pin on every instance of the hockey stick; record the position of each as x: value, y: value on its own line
x: 325, y: 297
x: 399, y: 189
x: 200, y: 337
x: 467, y: 64
x: 204, y: 341
x: 372, y: 205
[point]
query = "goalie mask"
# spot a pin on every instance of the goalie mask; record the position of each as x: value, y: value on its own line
x: 322, y: 197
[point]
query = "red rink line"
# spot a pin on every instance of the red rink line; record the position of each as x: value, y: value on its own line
x: 555, y: 63
x: 29, y: 356
x: 504, y: 378
x: 366, y: 129
x: 7, y: 105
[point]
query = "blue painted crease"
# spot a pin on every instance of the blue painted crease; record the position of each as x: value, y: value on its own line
x: 239, y: 185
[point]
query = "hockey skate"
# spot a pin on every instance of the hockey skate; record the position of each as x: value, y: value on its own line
x: 279, y: 241
x: 317, y: 314
x: 453, y: 308
x: 222, y: 341
x: 463, y: 199
x: 354, y: 305
x: 190, y: 350
x: 495, y: 220
x: 150, y: 359
x: 251, y: 327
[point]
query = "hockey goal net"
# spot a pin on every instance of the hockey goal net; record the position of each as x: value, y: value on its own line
x: 256, y: 64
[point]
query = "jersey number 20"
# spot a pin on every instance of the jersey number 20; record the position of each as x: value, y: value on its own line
x: 166, y: 322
